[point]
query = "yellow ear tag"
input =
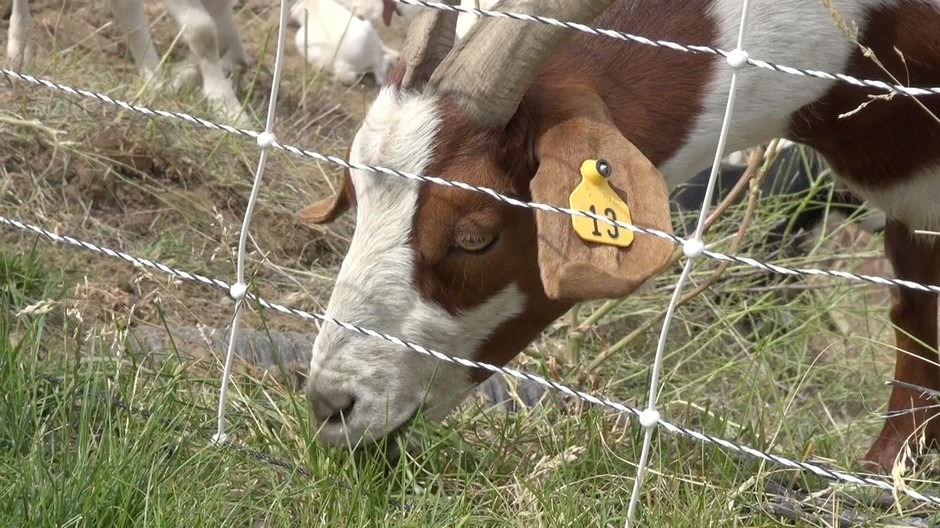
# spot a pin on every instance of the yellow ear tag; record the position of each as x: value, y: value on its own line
x: 594, y: 194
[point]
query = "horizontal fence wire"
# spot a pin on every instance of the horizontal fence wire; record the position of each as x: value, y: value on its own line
x: 310, y: 154
x: 675, y: 46
x: 599, y: 400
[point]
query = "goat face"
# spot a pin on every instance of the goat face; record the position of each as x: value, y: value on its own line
x: 457, y: 271
x: 406, y: 280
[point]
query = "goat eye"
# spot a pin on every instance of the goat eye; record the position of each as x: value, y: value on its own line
x: 476, y: 243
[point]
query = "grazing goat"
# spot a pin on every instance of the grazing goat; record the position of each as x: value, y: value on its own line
x: 208, y: 29
x: 331, y: 37
x: 519, y: 107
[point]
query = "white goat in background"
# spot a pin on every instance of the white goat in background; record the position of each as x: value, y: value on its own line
x: 208, y: 28
x: 465, y: 20
x: 384, y: 9
x: 331, y: 37
x: 374, y: 10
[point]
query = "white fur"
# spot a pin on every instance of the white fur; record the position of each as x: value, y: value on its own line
x: 364, y: 9
x: 797, y: 33
x: 915, y: 202
x: 466, y: 20
x: 373, y: 9
x: 375, y: 289
x: 740, y: 157
x: 208, y: 29
x: 331, y: 37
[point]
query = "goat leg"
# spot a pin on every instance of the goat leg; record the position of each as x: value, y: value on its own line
x: 912, y: 417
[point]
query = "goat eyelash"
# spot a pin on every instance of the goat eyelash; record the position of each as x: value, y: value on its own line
x: 484, y: 249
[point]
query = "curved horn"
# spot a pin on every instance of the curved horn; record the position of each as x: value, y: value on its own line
x: 430, y: 38
x: 493, y: 66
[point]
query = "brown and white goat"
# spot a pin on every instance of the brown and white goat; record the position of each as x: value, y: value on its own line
x: 208, y: 29
x: 518, y: 107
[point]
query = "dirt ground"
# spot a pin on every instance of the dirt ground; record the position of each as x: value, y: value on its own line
x: 166, y: 190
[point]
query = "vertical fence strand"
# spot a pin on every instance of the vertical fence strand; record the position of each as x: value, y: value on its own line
x: 693, y: 249
x: 238, y: 290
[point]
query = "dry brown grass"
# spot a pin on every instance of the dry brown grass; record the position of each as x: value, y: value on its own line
x: 164, y: 189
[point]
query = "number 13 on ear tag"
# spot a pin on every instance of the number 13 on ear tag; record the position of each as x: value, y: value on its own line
x: 595, y: 195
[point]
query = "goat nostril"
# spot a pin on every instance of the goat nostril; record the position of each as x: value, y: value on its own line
x: 343, y: 414
x: 331, y: 405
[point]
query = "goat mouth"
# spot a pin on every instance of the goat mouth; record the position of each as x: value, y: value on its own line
x: 339, y: 417
x: 402, y: 428
x: 392, y: 443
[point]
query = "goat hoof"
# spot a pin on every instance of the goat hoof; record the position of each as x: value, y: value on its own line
x: 184, y: 74
x: 235, y: 65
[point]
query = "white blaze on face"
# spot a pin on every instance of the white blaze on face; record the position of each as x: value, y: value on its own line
x: 375, y: 289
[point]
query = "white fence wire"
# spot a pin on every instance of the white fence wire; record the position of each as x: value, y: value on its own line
x: 594, y: 399
x: 693, y: 247
x: 675, y: 46
x: 240, y: 288
x: 312, y: 154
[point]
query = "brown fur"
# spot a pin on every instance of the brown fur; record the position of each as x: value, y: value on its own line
x: 888, y: 140
x: 654, y: 108
x: 881, y: 146
x: 330, y: 208
x: 586, y: 79
x: 642, y: 97
x: 458, y: 281
x: 532, y: 161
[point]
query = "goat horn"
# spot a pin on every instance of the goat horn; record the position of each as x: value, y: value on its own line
x: 430, y: 38
x: 492, y: 67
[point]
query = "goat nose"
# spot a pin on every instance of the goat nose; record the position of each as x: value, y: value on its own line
x: 330, y: 405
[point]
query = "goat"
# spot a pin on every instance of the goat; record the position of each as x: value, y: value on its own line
x: 374, y: 10
x: 520, y: 107
x: 465, y: 20
x: 385, y: 9
x: 208, y: 29
x: 331, y: 37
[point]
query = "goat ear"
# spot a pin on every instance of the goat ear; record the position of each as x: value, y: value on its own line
x: 329, y: 209
x: 574, y: 269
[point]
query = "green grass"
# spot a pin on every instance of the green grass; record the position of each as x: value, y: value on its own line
x: 69, y: 457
